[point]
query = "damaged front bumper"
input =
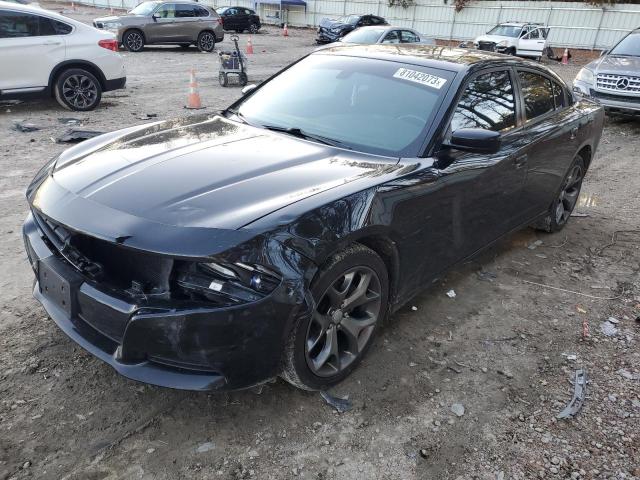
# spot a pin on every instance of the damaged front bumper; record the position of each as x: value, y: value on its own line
x: 182, y: 344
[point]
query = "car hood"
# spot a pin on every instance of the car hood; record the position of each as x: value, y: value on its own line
x: 331, y: 23
x: 493, y: 38
x: 204, y: 172
x: 617, y: 65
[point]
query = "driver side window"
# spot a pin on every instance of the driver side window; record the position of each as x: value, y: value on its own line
x: 168, y: 10
x: 487, y: 102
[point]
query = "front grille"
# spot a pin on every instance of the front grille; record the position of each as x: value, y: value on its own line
x: 618, y: 83
x: 138, y: 273
x: 615, y: 98
x: 488, y: 46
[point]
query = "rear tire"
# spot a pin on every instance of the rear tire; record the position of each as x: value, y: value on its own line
x: 351, y: 297
x: 222, y: 78
x: 133, y: 40
x: 78, y: 90
x: 566, y: 200
x: 242, y: 78
x: 253, y: 28
x: 206, y: 41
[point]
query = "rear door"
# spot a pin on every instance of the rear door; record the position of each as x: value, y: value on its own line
x: 187, y: 22
x: 30, y: 47
x: 230, y: 18
x: 552, y: 128
x: 533, y: 43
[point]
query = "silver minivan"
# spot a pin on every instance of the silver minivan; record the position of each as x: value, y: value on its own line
x: 183, y: 23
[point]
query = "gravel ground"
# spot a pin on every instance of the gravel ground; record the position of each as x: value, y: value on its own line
x: 503, y: 349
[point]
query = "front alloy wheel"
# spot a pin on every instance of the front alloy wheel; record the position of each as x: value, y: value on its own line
x: 133, y: 41
x: 350, y: 295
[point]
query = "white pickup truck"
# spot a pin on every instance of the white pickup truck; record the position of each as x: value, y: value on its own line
x: 515, y: 38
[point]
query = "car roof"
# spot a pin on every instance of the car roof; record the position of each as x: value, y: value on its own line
x: 447, y: 58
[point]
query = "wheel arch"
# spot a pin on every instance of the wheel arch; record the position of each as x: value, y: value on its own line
x: 586, y: 152
x: 69, y: 64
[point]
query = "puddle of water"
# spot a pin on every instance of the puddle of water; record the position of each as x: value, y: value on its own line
x: 586, y: 200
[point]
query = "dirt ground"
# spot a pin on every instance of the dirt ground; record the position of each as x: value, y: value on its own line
x: 503, y: 348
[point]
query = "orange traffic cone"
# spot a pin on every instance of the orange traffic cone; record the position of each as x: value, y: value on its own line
x: 565, y: 57
x: 249, y: 46
x: 285, y: 32
x: 193, y: 100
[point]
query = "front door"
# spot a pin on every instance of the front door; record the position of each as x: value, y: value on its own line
x: 164, y: 27
x: 492, y: 183
x: 533, y: 43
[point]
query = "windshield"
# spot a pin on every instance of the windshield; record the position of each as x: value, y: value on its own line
x: 506, y: 31
x: 352, y: 19
x: 144, y: 8
x: 368, y: 105
x: 364, y: 35
x: 629, y: 46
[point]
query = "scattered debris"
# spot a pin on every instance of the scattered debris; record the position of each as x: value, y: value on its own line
x: 69, y: 121
x: 205, y: 447
x: 608, y: 329
x: 25, y: 127
x: 580, y: 215
x: 534, y: 245
x: 6, y: 103
x: 486, y: 276
x: 627, y: 374
x: 613, y: 320
x: 579, y: 394
x: 572, y: 357
x: 341, y: 405
x: 147, y: 116
x: 424, y: 453
x: 575, y: 293
x: 458, y: 409
x: 451, y: 293
x: 75, y: 136
x: 414, y: 308
x: 585, y: 328
x: 506, y: 373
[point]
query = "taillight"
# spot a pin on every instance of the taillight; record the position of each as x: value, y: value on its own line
x: 109, y: 44
x: 220, y: 21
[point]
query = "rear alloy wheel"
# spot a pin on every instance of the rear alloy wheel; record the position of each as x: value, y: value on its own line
x: 351, y: 301
x: 133, y: 41
x: 253, y: 28
x: 78, y: 90
x: 560, y: 210
x: 206, y: 42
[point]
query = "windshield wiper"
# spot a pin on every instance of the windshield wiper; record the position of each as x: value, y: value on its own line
x: 297, y: 132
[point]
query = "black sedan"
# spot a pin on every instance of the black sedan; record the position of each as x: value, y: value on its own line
x: 239, y: 19
x: 332, y: 30
x: 220, y: 251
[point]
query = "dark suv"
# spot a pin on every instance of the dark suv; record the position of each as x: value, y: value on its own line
x: 239, y: 19
x: 331, y: 30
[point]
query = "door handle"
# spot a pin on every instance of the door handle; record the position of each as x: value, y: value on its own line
x: 521, y: 160
x: 52, y: 42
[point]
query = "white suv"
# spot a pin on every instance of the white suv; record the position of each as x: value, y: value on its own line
x: 515, y: 38
x: 42, y: 52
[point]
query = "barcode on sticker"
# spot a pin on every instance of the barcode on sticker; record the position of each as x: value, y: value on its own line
x: 420, y: 77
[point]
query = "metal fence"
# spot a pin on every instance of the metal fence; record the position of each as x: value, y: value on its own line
x: 573, y: 24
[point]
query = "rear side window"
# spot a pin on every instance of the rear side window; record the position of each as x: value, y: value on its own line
x: 201, y: 12
x: 538, y: 94
x: 184, y: 11
x: 488, y: 102
x: 19, y: 24
x: 392, y: 37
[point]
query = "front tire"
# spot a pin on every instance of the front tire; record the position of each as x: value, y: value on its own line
x: 206, y: 41
x: 561, y: 208
x: 133, y: 41
x: 78, y: 90
x: 351, y: 302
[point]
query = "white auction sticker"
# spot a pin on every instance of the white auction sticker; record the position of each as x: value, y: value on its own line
x: 420, y: 77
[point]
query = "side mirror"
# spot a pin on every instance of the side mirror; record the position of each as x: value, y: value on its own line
x: 155, y: 17
x: 249, y: 89
x: 603, y: 53
x: 475, y: 140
